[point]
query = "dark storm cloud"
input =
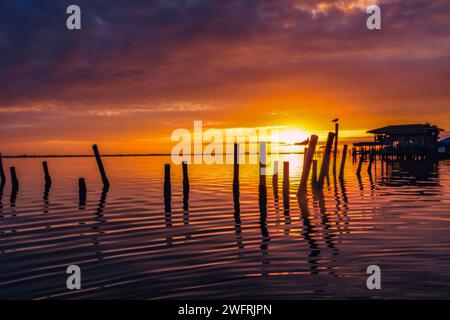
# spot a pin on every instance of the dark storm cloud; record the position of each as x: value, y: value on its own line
x: 134, y: 50
x: 135, y: 60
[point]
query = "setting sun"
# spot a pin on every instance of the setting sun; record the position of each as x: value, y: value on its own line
x: 292, y: 136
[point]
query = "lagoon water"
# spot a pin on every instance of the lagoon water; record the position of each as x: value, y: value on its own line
x: 129, y: 248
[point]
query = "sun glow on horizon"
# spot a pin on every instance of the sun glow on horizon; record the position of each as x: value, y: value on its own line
x: 292, y: 135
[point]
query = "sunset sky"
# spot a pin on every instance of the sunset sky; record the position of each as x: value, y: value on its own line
x: 140, y: 69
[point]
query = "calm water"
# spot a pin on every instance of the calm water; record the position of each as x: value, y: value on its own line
x: 128, y: 247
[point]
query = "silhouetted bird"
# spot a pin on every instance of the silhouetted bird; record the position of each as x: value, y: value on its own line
x: 336, y: 120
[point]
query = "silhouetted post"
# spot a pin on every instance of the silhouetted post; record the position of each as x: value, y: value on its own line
x: 314, y: 174
x: 336, y: 138
x: 324, y: 169
x: 372, y: 157
x: 82, y: 191
x: 344, y: 157
x: 2, y: 171
x: 167, y: 188
x: 236, y: 174
x: 262, y: 177
x: 14, y: 180
x: 361, y: 159
x: 305, y: 152
x: 100, y: 167
x: 185, y: 186
x: 48, y: 180
x: 308, y: 162
x: 275, y: 179
x: 286, y: 185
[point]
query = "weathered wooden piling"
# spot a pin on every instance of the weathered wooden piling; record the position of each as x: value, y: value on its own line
x: 314, y: 174
x: 344, y: 158
x: 167, y: 189
x: 236, y: 174
x: 324, y: 169
x: 263, y: 160
x: 286, y: 185
x: 47, y: 178
x: 185, y: 186
x: 307, y: 167
x: 372, y: 158
x: 305, y: 152
x: 275, y: 180
x: 2, y: 171
x: 14, y: 180
x: 262, y: 178
x: 336, y: 138
x: 101, y: 168
x: 82, y: 192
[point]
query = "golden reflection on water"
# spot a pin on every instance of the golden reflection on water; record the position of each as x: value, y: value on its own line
x: 396, y: 217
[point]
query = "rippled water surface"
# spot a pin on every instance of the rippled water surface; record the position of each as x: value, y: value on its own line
x: 128, y: 247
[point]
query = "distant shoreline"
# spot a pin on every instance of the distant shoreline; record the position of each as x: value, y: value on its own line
x: 83, y: 155
x: 31, y: 156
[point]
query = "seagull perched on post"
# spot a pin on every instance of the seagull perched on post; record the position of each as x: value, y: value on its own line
x: 336, y: 120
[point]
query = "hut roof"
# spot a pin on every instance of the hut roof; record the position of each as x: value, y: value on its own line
x: 405, y: 129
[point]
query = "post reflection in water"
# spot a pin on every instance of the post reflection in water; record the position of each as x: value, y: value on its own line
x: 337, y: 210
x: 45, y: 198
x: 100, y: 220
x: 263, y: 224
x: 326, y: 225
x: 308, y: 233
x: 168, y: 220
x: 13, y: 197
x: 346, y: 209
x: 238, y: 224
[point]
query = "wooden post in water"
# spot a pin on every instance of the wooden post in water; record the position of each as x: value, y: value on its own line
x: 100, y: 167
x: 236, y: 174
x: 82, y: 191
x: 262, y: 160
x: 324, y: 169
x: 185, y: 186
x: 262, y: 177
x: 361, y: 159
x: 307, y: 168
x: 48, y: 179
x: 2, y: 171
x: 314, y: 174
x: 14, y: 180
x: 372, y: 157
x: 286, y: 185
x: 275, y: 179
x: 305, y: 152
x: 167, y: 188
x: 336, y: 138
x: 344, y: 157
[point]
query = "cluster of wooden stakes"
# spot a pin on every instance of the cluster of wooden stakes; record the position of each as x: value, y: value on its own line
x: 48, y: 180
x: 310, y: 164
